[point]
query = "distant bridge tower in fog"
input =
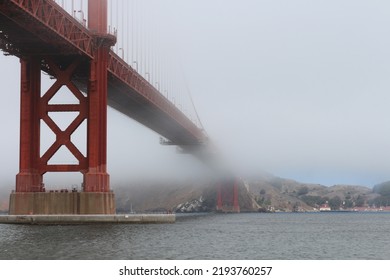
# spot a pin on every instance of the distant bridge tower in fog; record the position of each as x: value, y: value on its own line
x: 227, y: 196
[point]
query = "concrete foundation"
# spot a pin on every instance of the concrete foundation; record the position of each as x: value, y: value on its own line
x: 62, y: 203
x: 87, y: 219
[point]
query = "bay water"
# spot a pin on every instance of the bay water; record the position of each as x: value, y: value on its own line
x: 276, y: 236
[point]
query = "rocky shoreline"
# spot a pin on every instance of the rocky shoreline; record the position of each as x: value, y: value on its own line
x: 266, y: 194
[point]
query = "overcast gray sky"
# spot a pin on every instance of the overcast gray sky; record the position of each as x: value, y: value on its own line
x: 296, y: 88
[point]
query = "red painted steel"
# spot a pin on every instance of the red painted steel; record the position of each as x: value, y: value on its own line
x: 35, y: 108
x: 227, y: 196
x: 133, y: 80
x: 63, y: 138
x: 236, y: 205
x: 219, y: 197
x: 48, y: 21
x: 97, y: 179
x: 29, y: 178
x: 97, y: 16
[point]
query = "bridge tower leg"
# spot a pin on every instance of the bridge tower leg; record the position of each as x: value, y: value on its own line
x: 97, y: 178
x: 219, y: 206
x: 29, y: 178
x: 96, y: 198
x: 236, y: 205
x: 227, y: 197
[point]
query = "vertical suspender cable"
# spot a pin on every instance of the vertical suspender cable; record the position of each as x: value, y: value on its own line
x: 132, y: 32
x: 109, y: 16
x: 136, y: 34
x: 127, y: 32
x: 145, y: 47
x: 141, y: 39
x: 148, y: 43
x: 123, y: 29
x: 117, y: 25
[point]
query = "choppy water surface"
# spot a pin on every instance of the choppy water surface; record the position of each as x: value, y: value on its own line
x: 210, y: 236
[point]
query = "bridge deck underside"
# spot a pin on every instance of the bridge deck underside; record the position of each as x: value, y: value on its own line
x: 129, y: 102
x: 15, y: 40
x: 23, y: 35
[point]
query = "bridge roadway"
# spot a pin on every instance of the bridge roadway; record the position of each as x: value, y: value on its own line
x: 43, y: 29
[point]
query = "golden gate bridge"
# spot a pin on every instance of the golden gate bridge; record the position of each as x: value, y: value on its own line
x: 99, y: 52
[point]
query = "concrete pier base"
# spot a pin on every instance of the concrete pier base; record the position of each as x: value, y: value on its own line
x: 87, y: 219
x: 62, y: 203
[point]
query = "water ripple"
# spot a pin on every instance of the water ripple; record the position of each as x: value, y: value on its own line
x: 211, y: 236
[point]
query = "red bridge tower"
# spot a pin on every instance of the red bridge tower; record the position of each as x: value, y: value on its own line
x: 30, y: 196
x: 227, y: 196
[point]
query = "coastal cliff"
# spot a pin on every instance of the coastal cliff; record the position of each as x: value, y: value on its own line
x: 265, y: 193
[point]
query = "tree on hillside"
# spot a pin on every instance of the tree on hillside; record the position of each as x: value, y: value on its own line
x: 313, y: 200
x: 382, y: 189
x: 380, y: 201
x: 360, y: 201
x: 348, y: 203
x: 303, y: 190
x: 335, y: 203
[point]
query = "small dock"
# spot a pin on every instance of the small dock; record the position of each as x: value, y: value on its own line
x: 88, y: 219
